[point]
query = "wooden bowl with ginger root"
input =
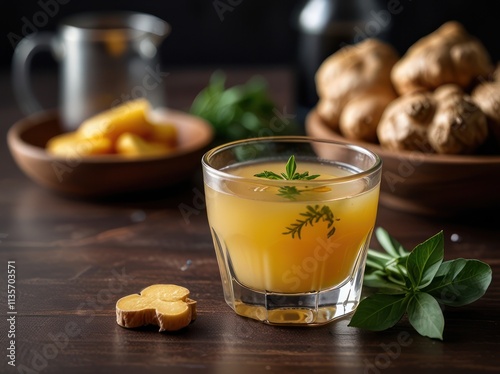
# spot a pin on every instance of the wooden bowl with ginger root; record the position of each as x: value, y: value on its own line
x: 432, y: 115
x: 107, y: 175
x: 432, y: 184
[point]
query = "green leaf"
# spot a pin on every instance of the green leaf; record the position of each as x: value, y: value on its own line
x: 377, y: 279
x: 424, y: 261
x: 425, y: 315
x: 289, y: 192
x: 313, y: 214
x: 460, y: 282
x: 290, y: 167
x: 268, y: 175
x: 422, y: 286
x: 379, y: 312
x: 372, y: 265
x: 378, y: 258
x: 241, y: 111
x: 306, y: 176
x: 391, y: 245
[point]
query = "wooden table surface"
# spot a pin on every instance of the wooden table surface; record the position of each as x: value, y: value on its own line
x: 73, y: 259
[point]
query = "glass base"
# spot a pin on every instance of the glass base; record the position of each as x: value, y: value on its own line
x: 308, y: 309
x: 291, y: 309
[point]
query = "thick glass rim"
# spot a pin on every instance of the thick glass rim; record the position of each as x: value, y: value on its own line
x: 377, y: 165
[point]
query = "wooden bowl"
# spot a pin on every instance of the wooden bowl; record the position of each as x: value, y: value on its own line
x: 431, y: 184
x: 106, y: 175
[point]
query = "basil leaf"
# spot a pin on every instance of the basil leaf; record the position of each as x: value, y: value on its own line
x: 391, y: 245
x: 373, y: 265
x: 424, y: 261
x: 378, y: 259
x: 425, y: 315
x: 419, y: 288
x: 377, y: 279
x: 379, y: 312
x: 460, y: 282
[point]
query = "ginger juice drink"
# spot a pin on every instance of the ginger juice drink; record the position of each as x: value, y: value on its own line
x: 290, y: 249
x: 254, y: 223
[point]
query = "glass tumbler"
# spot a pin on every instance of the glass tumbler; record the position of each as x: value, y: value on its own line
x: 291, y: 220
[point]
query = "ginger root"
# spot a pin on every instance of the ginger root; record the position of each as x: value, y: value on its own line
x: 165, y: 305
x: 405, y: 122
x: 447, y: 55
x: 496, y: 73
x: 354, y: 87
x: 459, y: 126
x: 446, y: 121
x: 361, y: 115
x: 486, y: 95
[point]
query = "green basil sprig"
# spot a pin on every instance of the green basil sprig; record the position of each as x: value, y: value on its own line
x: 242, y: 111
x: 417, y: 283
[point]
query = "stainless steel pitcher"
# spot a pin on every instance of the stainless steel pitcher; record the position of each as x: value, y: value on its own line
x: 105, y: 59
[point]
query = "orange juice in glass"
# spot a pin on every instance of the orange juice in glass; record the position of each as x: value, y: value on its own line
x: 291, y: 220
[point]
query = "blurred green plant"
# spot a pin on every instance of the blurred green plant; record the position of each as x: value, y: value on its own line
x: 241, y: 111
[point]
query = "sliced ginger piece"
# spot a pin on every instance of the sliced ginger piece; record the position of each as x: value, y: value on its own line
x: 165, y: 305
x: 132, y: 145
x: 71, y: 144
x: 130, y: 116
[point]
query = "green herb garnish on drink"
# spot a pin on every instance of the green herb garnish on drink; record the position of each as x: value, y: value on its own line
x: 418, y: 283
x: 288, y: 192
x: 312, y: 214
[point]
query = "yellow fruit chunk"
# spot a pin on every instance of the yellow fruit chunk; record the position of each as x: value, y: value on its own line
x: 126, y: 129
x: 130, y: 116
x: 71, y: 144
x: 132, y: 145
x: 165, y: 305
x: 165, y: 133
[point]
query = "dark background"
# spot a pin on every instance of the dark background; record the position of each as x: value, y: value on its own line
x: 253, y: 31
x: 241, y: 33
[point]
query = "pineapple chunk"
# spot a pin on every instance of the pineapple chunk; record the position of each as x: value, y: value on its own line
x: 130, y: 116
x: 127, y: 129
x: 72, y: 144
x: 132, y: 145
x: 165, y: 133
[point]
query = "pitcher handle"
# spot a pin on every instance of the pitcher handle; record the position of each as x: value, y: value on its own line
x: 21, y: 69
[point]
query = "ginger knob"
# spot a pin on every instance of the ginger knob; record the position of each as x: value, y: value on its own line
x: 165, y: 305
x: 447, y: 55
x: 446, y: 121
x: 404, y: 123
x: 361, y: 115
x: 487, y: 96
x: 355, y: 71
x: 459, y: 126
